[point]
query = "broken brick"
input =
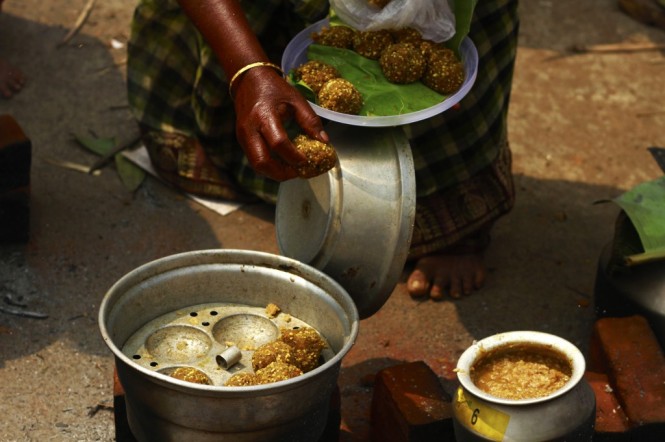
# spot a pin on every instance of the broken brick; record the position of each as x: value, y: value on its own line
x: 610, y: 418
x: 410, y: 404
x: 628, y: 351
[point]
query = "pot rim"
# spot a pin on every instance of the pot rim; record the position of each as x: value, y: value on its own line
x: 285, y: 264
x: 471, y: 354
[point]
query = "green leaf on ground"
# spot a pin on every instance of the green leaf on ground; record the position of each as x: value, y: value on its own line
x: 130, y: 174
x: 100, y: 146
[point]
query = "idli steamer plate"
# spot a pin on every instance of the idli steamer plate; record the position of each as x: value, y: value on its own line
x: 195, y: 337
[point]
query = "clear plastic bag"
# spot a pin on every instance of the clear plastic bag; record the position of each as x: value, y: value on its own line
x: 433, y: 18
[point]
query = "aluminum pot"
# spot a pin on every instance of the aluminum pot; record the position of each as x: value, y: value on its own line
x: 163, y: 408
x: 567, y: 414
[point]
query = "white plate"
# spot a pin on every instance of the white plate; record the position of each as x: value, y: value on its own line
x: 295, y: 55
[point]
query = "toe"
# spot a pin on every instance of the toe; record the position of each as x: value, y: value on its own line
x: 456, y: 288
x: 437, y: 294
x: 417, y: 285
x: 469, y: 284
x: 479, y: 278
x: 438, y: 290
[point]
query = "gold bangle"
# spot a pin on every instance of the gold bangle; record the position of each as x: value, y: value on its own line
x: 251, y: 66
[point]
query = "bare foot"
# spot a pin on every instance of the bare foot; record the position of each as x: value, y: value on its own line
x: 454, y: 275
x: 11, y: 79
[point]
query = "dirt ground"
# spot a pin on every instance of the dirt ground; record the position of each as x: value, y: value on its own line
x: 580, y: 125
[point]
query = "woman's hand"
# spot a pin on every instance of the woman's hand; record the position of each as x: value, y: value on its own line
x: 264, y: 101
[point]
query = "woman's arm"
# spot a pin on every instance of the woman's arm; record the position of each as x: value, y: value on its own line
x: 263, y: 99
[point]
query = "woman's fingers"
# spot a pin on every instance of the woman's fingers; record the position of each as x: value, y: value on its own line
x: 309, y: 121
x: 264, y: 161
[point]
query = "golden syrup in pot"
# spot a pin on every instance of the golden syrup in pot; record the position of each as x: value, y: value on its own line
x: 521, y: 371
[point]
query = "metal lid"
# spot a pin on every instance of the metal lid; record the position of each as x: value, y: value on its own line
x: 355, y: 222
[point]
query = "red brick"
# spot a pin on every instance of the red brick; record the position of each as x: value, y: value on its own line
x: 635, y: 367
x: 596, y: 361
x: 409, y: 404
x: 15, y: 161
x: 118, y: 390
x: 15, y: 155
x: 610, y: 417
